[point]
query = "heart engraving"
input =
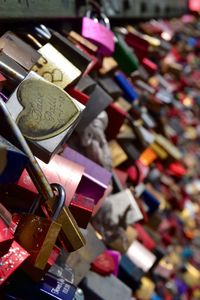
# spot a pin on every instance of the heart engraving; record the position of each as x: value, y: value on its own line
x: 47, y: 109
x: 55, y: 76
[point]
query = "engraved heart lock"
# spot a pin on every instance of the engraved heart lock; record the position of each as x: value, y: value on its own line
x: 45, y: 114
x: 54, y: 76
x: 54, y: 65
x: 97, y: 30
x: 42, y: 117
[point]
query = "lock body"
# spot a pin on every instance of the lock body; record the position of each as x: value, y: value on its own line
x: 6, y: 236
x: 17, y: 49
x: 99, y: 35
x: 55, y: 67
x: 11, y: 261
x: 38, y: 236
x: 40, y: 120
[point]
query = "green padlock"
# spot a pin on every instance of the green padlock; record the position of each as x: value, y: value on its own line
x: 124, y: 55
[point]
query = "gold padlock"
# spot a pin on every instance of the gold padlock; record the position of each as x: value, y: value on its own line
x: 53, y: 66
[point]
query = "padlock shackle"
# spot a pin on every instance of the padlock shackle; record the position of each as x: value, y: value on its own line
x: 61, y: 200
x: 43, y: 32
x: 93, y: 6
x: 33, y: 167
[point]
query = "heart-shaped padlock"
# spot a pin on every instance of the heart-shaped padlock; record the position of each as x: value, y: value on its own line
x: 98, y: 33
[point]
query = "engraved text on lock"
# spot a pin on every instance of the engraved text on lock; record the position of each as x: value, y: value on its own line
x: 47, y: 110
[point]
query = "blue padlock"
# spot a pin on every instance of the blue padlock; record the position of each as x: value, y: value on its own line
x: 151, y: 201
x: 127, y: 87
x: 53, y: 287
x: 12, y: 162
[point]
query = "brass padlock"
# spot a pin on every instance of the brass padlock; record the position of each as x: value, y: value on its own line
x: 70, y: 231
x: 52, y: 65
x: 38, y: 235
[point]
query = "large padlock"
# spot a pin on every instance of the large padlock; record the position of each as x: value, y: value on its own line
x: 99, y: 33
x: 47, y: 108
x: 38, y: 235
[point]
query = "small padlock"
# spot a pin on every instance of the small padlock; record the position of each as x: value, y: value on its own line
x: 38, y: 235
x: 99, y: 34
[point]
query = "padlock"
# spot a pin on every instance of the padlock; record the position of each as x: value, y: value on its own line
x: 6, y: 236
x: 99, y: 287
x: 54, y: 287
x: 95, y: 179
x: 72, y: 53
x: 129, y: 273
x: 109, y: 65
x: 52, y: 64
x: 73, y: 237
x: 109, y: 85
x: 144, y: 237
x: 36, y: 116
x: 49, y: 288
x: 116, y: 117
x: 77, y: 38
x: 36, y: 274
x: 12, y: 162
x: 141, y: 256
x: 17, y: 49
x: 149, y: 199
x: 117, y: 153
x: 86, y: 84
x: 125, y: 56
x: 81, y: 208
x: 81, y: 259
x: 77, y: 57
x: 11, y: 261
x: 99, y: 101
x: 99, y: 34
x: 139, y: 45
x: 128, y: 88
x: 60, y: 170
x: 37, y: 234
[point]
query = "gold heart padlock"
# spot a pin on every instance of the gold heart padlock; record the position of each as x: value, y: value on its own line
x: 45, y: 114
x: 47, y: 111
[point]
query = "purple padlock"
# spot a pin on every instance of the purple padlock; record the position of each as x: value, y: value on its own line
x: 99, y: 34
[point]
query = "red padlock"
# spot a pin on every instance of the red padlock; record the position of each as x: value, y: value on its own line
x: 6, y: 236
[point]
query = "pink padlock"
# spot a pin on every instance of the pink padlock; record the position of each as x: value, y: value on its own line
x: 98, y: 33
